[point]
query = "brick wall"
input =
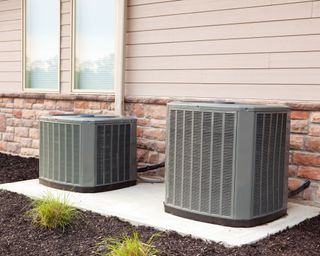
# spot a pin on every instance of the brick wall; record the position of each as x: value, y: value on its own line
x: 151, y: 131
x: 19, y: 127
x: 19, y: 132
x: 305, y: 152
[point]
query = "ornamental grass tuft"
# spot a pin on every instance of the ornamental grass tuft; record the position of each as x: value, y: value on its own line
x: 128, y: 246
x: 53, y: 212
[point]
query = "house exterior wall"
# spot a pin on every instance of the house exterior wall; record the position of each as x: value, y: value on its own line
x: 264, y: 51
x: 267, y: 49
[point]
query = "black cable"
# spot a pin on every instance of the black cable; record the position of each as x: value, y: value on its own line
x: 150, y: 167
x: 295, y: 192
x: 292, y: 193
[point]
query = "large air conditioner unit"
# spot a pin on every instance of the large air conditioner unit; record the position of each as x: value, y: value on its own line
x: 87, y: 153
x: 227, y: 163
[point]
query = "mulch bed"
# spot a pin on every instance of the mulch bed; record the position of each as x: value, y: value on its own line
x: 15, y: 168
x: 18, y: 236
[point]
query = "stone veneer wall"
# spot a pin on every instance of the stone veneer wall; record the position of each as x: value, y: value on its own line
x: 151, y: 131
x: 19, y: 132
x: 19, y: 127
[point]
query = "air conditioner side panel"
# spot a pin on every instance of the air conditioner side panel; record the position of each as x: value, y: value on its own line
x: 115, y: 157
x: 200, y: 167
x: 169, y: 140
x: 271, y: 163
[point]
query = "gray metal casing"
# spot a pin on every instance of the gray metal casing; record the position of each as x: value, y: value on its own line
x: 227, y: 162
x: 87, y: 152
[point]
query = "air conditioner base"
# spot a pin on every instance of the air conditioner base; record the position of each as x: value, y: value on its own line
x: 94, y: 189
x: 225, y: 221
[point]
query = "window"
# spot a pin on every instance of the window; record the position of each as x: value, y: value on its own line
x: 94, y: 45
x: 41, y: 44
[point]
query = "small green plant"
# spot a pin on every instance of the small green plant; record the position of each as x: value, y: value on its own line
x: 128, y: 246
x: 53, y: 212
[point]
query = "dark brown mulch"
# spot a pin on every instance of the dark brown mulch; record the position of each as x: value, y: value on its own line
x: 15, y: 168
x: 19, y: 237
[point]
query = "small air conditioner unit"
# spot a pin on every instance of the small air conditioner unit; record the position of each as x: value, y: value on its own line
x: 87, y: 153
x: 227, y: 163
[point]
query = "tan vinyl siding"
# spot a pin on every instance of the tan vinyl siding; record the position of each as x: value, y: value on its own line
x: 201, y: 48
x: 231, y: 49
x: 10, y: 46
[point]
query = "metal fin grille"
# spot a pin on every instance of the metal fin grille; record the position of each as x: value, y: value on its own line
x: 200, y: 168
x: 228, y: 157
x: 60, y: 151
x: 113, y: 153
x: 179, y: 159
x: 216, y: 162
x: 269, y: 162
x: 187, y: 145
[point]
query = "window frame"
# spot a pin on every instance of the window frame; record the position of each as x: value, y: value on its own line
x: 24, y: 53
x: 118, y: 53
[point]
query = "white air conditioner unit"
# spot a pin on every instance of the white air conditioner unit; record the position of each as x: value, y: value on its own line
x: 87, y: 153
x: 227, y: 163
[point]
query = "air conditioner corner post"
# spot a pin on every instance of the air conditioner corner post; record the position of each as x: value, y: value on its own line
x: 244, y: 150
x: 287, y: 153
x: 88, y: 143
x: 120, y: 53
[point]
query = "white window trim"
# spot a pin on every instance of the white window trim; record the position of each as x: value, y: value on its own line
x: 119, y: 56
x: 24, y: 52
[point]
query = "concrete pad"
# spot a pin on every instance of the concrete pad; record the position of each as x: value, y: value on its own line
x: 143, y: 205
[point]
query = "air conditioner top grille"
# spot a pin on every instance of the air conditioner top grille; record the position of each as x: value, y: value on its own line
x: 228, y: 106
x: 84, y: 118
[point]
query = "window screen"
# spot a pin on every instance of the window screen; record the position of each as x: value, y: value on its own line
x: 94, y: 44
x: 42, y: 42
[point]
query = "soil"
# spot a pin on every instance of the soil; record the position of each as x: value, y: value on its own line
x: 15, y: 168
x: 18, y: 236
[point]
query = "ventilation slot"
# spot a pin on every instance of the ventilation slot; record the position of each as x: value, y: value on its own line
x: 187, y: 150
x: 269, y: 162
x: 228, y: 156
x: 196, y: 168
x: 216, y: 163
x: 205, y: 162
x: 179, y: 159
